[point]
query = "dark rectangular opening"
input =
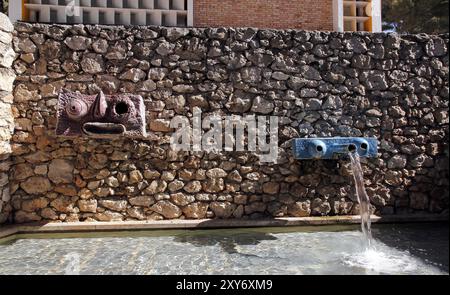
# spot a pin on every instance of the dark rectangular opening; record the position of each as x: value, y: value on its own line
x: 70, y: 19
x: 86, y: 17
x: 148, y: 19
x: 109, y: 3
x: 53, y: 16
x: 102, y: 18
x: 360, y: 11
x: 182, y: 20
x: 117, y: 18
x: 61, y: 2
x: 360, y: 26
x: 133, y: 19
x: 126, y: 4
x: 158, y: 4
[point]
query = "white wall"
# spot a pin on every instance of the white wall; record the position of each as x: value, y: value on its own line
x: 15, y: 10
x: 376, y: 16
x: 338, y: 15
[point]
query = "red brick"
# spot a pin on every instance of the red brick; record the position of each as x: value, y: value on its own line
x: 275, y: 14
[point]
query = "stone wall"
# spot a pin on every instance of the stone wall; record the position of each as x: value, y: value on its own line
x: 387, y: 86
x: 7, y: 76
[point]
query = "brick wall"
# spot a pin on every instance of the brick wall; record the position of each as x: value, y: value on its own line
x: 278, y: 14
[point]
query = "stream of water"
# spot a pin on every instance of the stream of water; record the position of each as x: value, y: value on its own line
x: 363, y: 198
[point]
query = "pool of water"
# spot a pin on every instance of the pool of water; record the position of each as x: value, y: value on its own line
x: 397, y: 249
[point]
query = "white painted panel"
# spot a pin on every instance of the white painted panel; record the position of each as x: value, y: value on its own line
x: 141, y: 18
x: 78, y: 13
x: 110, y: 17
x: 45, y: 15
x: 170, y: 19
x: 94, y: 16
x: 102, y: 3
x: 126, y: 18
x: 178, y: 5
x: 338, y: 15
x: 62, y: 15
x: 376, y: 16
x: 86, y: 3
x: 154, y: 18
x: 147, y: 4
x: 133, y: 4
x: 162, y: 4
x: 190, y: 16
x: 15, y: 11
x: 117, y: 3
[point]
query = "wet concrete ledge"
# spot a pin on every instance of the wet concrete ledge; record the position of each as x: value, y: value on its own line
x: 11, y: 230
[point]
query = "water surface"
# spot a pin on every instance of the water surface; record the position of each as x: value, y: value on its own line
x: 397, y: 249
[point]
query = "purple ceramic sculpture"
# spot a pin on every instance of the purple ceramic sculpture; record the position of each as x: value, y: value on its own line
x: 100, y: 116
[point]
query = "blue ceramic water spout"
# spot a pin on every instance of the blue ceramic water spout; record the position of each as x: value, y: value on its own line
x: 334, y: 147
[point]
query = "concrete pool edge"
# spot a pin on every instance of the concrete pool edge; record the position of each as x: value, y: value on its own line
x: 11, y: 230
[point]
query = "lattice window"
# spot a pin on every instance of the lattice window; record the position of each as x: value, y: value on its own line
x: 357, y: 15
x: 111, y: 12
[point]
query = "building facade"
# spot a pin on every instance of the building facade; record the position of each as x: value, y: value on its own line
x: 323, y: 15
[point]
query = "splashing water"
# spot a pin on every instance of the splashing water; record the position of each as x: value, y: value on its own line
x: 363, y: 198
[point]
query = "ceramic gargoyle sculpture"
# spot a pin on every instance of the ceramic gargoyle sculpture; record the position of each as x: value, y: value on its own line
x: 100, y: 116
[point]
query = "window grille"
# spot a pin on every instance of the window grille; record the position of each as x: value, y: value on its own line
x: 357, y: 15
x: 110, y: 12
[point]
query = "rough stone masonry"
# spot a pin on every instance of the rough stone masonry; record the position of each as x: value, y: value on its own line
x: 7, y: 76
x: 391, y: 87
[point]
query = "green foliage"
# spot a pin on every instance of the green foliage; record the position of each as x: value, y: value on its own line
x: 416, y: 16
